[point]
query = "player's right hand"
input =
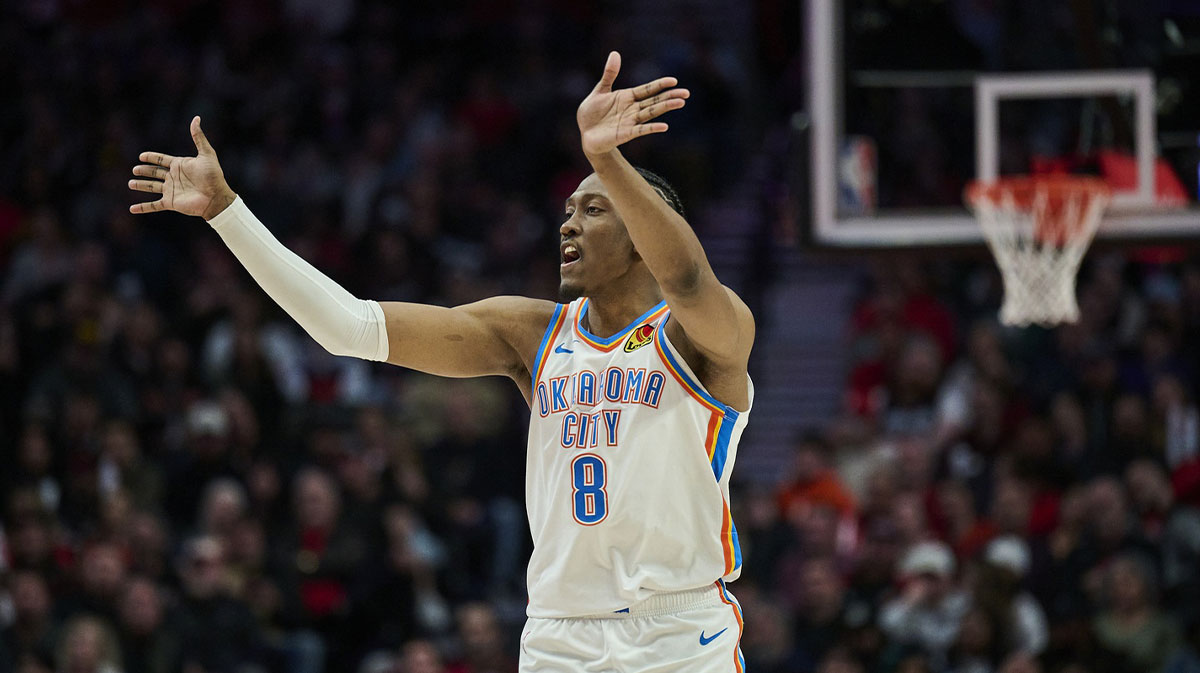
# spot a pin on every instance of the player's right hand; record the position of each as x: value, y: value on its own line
x: 189, y: 185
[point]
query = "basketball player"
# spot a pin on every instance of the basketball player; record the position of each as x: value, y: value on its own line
x: 637, y: 387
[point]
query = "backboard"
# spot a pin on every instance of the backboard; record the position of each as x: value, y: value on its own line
x: 895, y: 137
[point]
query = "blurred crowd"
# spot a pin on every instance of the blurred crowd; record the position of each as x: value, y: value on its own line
x: 993, y: 499
x: 189, y: 483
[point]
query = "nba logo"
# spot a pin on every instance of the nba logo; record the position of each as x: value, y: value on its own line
x: 856, y: 175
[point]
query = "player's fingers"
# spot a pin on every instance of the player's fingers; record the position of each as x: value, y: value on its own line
x: 665, y: 95
x: 659, y: 109
x: 157, y: 158
x: 152, y: 186
x: 611, y: 68
x: 647, y: 129
x: 151, y: 171
x: 651, y: 88
x: 201, y: 140
x: 146, y: 207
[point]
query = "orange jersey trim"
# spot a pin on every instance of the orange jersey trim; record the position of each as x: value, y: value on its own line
x: 737, y: 614
x: 612, y: 342
x: 551, y: 336
x: 679, y: 376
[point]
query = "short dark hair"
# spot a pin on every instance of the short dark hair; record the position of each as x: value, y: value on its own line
x: 664, y: 189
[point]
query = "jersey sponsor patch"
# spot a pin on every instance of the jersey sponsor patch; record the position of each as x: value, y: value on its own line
x: 640, y: 337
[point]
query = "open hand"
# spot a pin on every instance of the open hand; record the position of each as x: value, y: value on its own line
x: 610, y: 118
x: 189, y: 185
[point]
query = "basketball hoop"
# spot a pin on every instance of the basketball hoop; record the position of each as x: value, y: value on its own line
x: 1039, y: 228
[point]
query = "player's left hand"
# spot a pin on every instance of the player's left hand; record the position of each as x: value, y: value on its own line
x: 609, y: 118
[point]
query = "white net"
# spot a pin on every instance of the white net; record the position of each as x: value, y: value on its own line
x: 1039, y: 230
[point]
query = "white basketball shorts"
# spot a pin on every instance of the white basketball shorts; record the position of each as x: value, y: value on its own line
x: 695, y: 631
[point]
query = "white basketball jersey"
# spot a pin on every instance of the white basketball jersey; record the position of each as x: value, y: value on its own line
x: 629, y: 460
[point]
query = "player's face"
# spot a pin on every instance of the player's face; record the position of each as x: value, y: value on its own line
x: 595, y: 249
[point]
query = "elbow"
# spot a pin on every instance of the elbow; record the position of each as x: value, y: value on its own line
x: 367, y: 340
x: 363, y: 334
x: 334, y: 346
x: 348, y: 350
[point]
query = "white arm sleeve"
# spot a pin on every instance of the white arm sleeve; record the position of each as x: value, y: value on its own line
x: 340, y: 322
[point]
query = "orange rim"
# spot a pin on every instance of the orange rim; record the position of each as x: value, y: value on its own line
x: 1023, y: 189
x: 1058, y: 203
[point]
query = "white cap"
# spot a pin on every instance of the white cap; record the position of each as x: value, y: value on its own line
x: 1008, y: 551
x: 928, y: 557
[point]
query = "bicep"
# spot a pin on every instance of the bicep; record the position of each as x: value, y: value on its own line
x: 495, y: 336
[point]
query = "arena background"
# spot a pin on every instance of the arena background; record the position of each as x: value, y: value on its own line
x: 191, y: 484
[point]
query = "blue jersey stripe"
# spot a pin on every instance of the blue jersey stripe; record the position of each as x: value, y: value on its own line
x: 619, y: 335
x: 731, y: 414
x: 724, y: 434
x: 737, y: 547
x: 541, y: 351
x: 721, y: 450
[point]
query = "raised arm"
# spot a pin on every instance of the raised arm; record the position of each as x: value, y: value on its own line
x: 494, y: 336
x: 713, y: 318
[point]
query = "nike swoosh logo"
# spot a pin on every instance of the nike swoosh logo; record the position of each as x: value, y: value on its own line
x: 559, y: 349
x: 704, y: 641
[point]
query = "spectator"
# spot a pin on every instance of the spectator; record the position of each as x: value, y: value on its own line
x: 317, y: 562
x: 875, y: 567
x: 962, y: 528
x: 222, y: 507
x: 821, y: 605
x: 912, y: 391
x: 42, y: 261
x: 261, y: 360
x: 420, y: 656
x: 217, y: 631
x: 767, y: 639
x: 1176, y: 526
x: 1018, y: 623
x: 1111, y: 527
x: 482, y: 647
x: 839, y: 660
x: 102, y: 572
x: 979, y: 647
x: 147, y: 541
x: 410, y: 566
x: 207, y: 457
x: 1012, y: 506
x: 930, y: 606
x: 123, y: 465
x: 34, y: 467
x: 148, y: 643
x: 910, y: 518
x: 763, y: 535
x: 32, y: 633
x: 88, y: 646
x: 32, y: 547
x: 1132, y: 626
x: 814, y: 481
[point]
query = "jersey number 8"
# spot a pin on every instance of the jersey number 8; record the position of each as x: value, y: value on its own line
x: 588, y: 479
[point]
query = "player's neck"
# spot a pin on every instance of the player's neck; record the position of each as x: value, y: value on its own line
x: 609, y: 313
